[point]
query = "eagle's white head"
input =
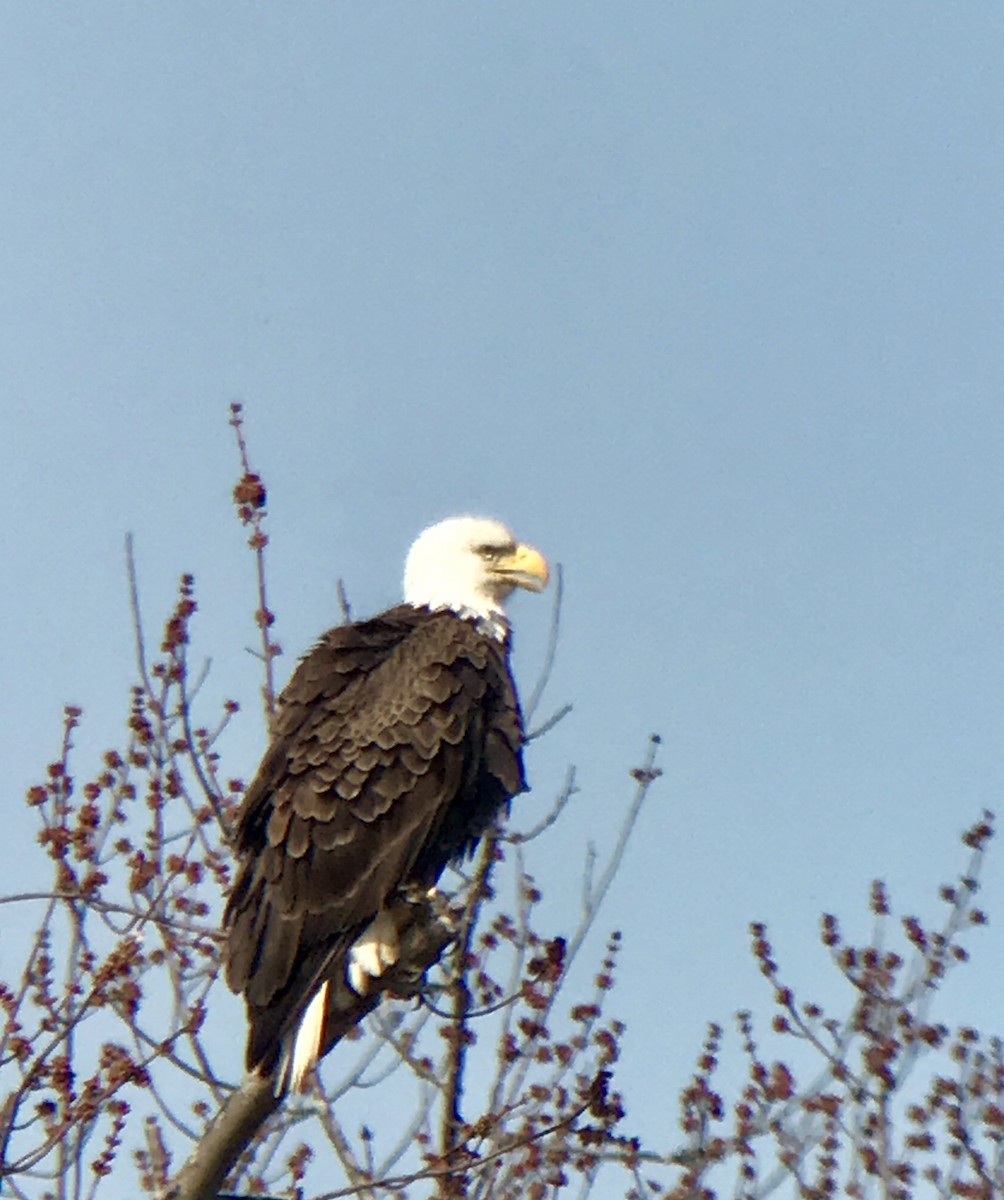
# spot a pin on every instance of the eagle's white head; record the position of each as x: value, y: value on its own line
x: 470, y: 565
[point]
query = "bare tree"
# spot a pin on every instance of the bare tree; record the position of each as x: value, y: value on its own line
x: 120, y: 1046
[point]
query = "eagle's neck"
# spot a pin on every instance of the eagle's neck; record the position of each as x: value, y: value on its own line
x: 488, y: 620
x: 493, y: 624
x: 463, y: 590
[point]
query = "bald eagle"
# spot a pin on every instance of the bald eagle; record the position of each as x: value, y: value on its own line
x: 396, y: 743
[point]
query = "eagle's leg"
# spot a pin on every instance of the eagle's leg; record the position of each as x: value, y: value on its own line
x: 377, y: 948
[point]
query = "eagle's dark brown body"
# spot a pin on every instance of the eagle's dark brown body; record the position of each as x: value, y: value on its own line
x: 397, y: 741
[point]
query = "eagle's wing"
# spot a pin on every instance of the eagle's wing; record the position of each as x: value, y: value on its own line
x: 382, y: 726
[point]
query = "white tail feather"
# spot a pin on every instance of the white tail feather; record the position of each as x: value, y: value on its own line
x: 307, y: 1046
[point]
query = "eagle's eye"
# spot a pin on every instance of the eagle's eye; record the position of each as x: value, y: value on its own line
x: 492, y: 553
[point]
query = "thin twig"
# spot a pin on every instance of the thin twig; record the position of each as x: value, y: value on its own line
x: 547, y: 725
x: 473, y: 1164
x: 644, y: 776
x: 568, y: 790
x: 253, y: 513
x: 343, y: 600
x: 530, y: 707
x: 212, y: 799
x: 137, y: 616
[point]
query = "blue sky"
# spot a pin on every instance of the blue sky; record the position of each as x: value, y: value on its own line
x: 705, y: 299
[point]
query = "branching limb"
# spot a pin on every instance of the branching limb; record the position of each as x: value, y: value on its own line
x: 424, y: 936
x: 644, y: 776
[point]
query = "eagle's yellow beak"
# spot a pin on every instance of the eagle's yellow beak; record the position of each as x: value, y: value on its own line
x: 525, y: 568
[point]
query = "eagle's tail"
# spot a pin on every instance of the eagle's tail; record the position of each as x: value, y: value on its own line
x: 377, y: 948
x: 306, y: 1048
